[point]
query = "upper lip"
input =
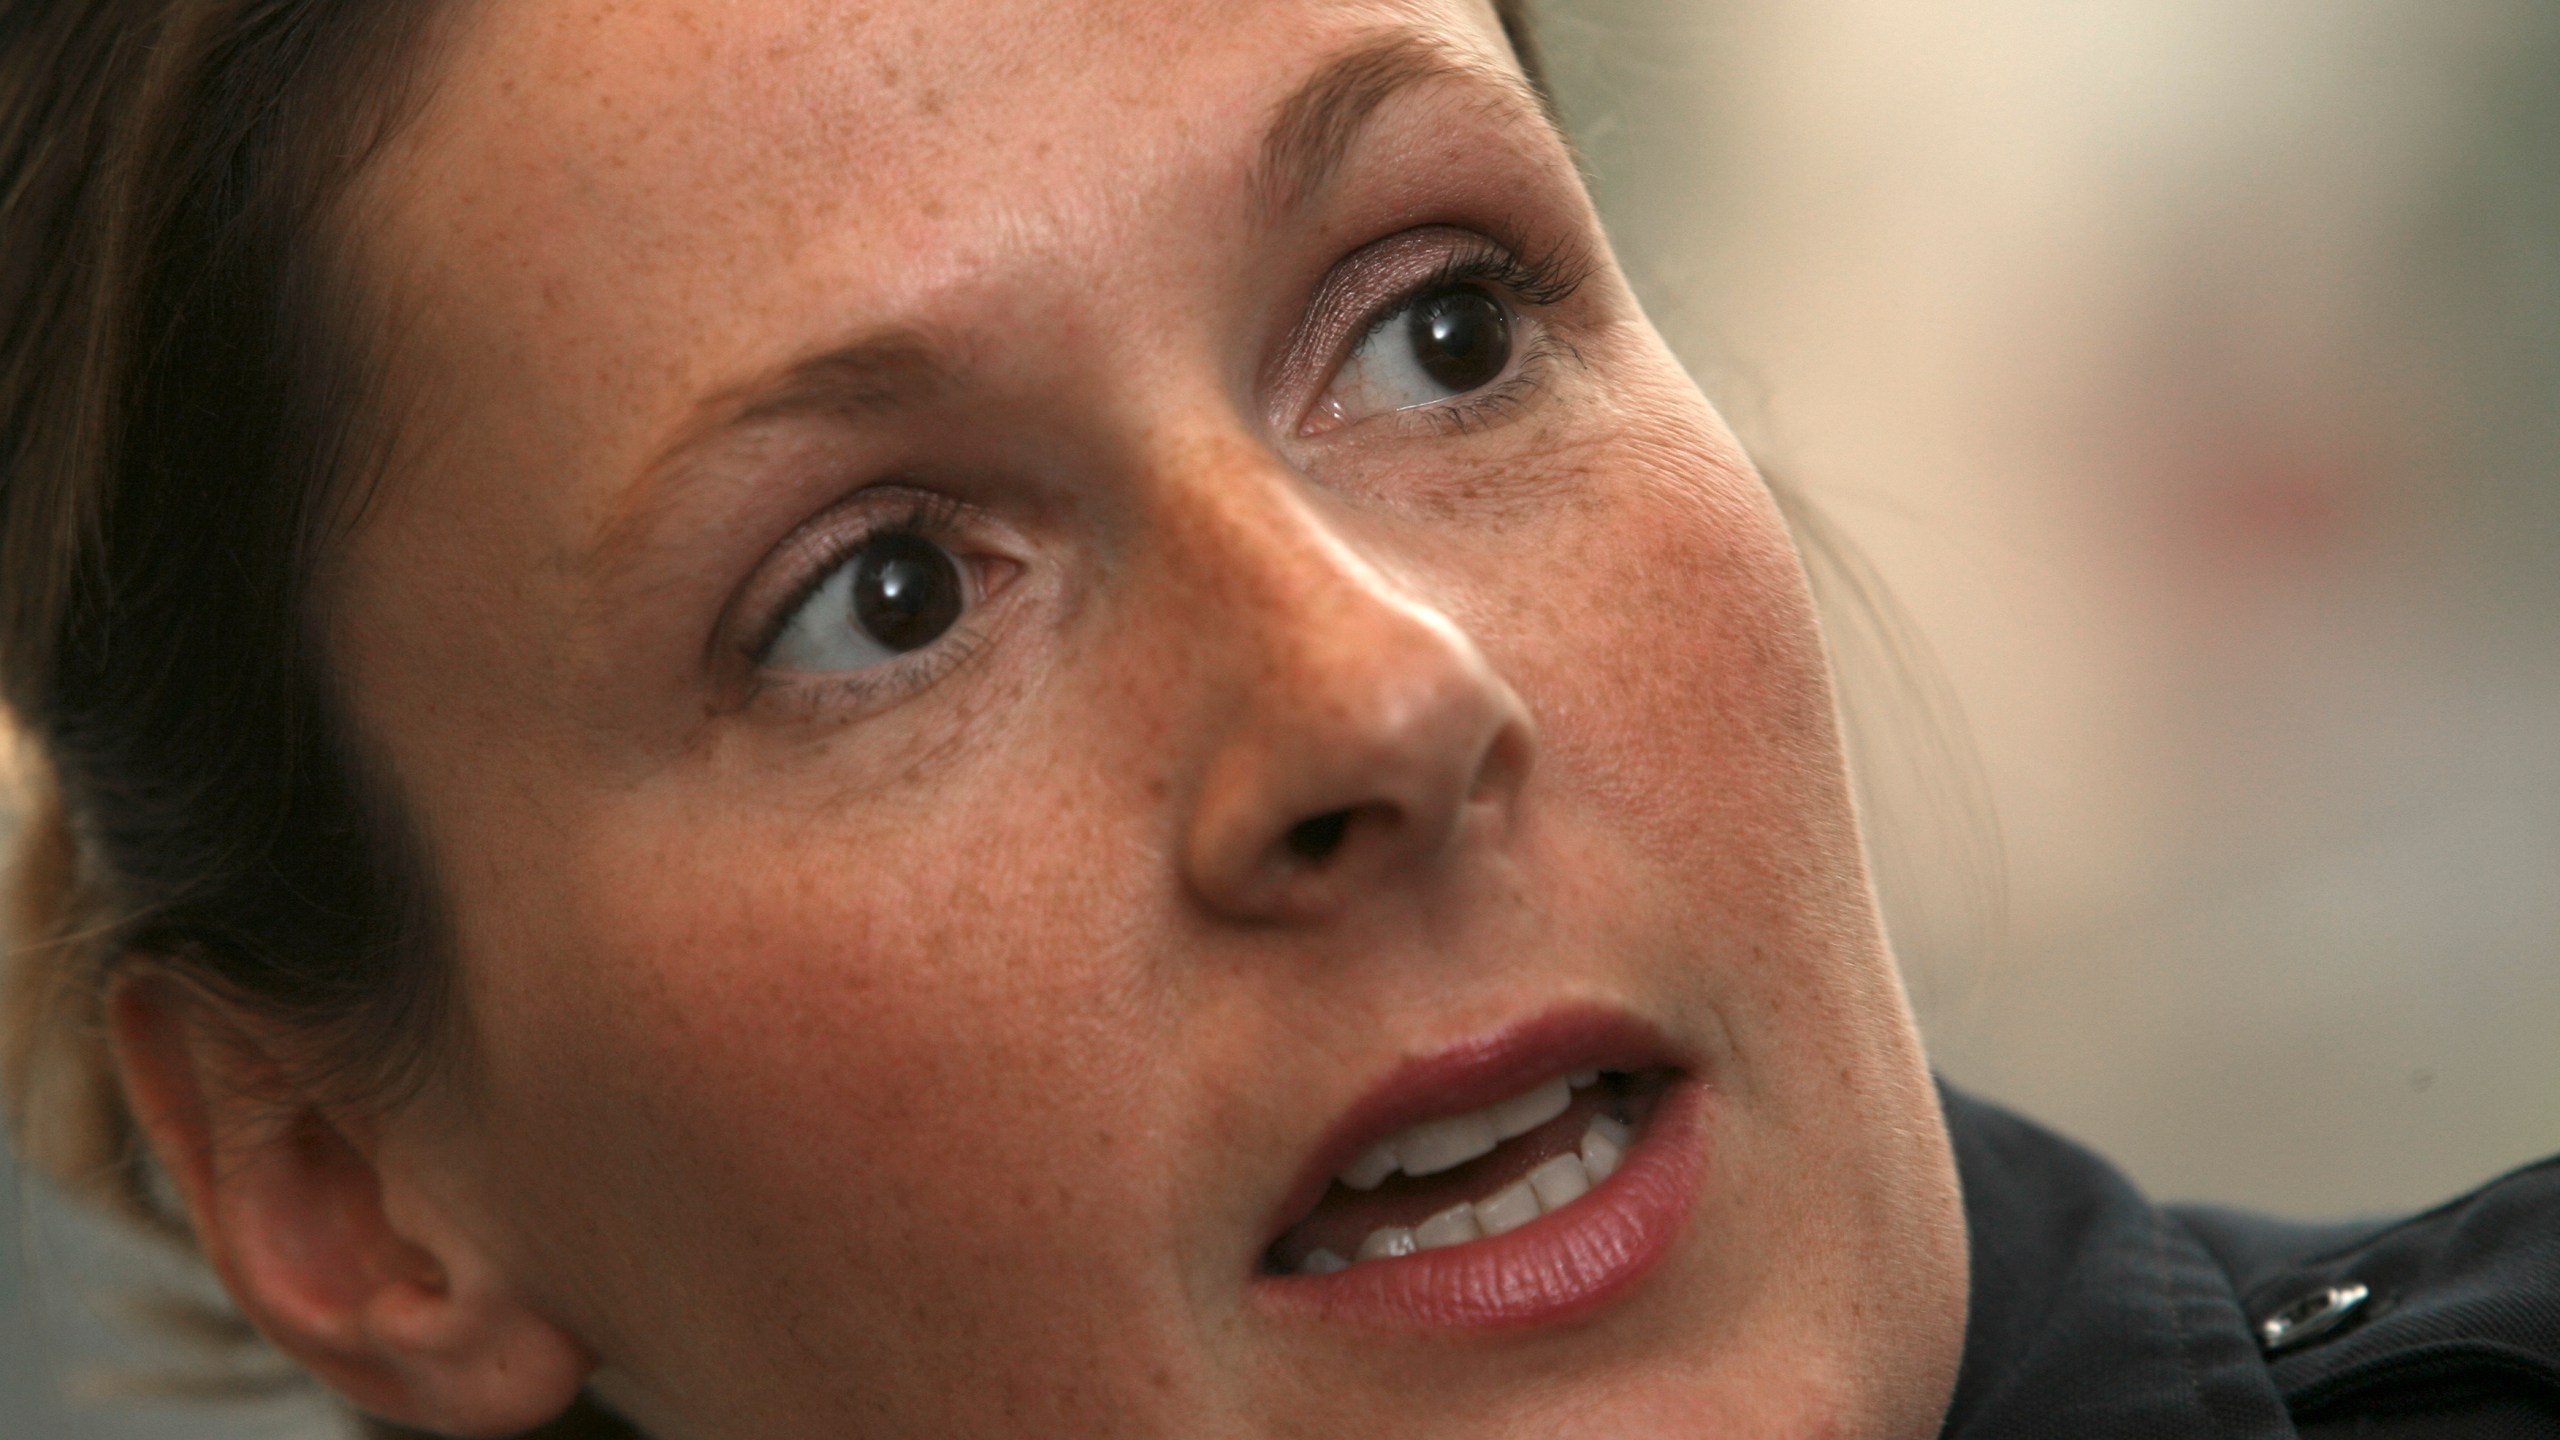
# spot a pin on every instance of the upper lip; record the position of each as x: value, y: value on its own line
x: 1469, y: 1075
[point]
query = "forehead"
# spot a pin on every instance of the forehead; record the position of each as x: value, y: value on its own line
x: 713, y: 155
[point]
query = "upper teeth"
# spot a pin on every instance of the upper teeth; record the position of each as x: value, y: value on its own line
x: 1437, y: 1145
x: 1555, y: 1183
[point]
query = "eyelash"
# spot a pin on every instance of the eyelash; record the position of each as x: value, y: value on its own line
x: 1544, y: 280
x: 1541, y: 281
x: 929, y: 516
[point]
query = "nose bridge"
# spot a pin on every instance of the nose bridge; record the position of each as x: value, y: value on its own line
x: 1349, y: 727
x: 1283, y: 609
x: 1291, y: 594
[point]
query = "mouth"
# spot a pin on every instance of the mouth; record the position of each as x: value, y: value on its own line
x: 1526, y: 1178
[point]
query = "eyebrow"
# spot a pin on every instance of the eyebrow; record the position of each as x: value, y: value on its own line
x: 871, y: 376
x: 877, y: 372
x: 1310, y: 135
x: 1312, y: 130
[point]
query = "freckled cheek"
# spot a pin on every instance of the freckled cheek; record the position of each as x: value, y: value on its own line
x: 889, y: 1048
x: 1675, y: 650
x: 1723, y: 613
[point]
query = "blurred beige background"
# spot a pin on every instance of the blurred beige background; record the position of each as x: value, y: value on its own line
x: 2184, y: 379
x: 2188, y: 375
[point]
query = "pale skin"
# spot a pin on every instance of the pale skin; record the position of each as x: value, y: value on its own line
x: 919, y: 1049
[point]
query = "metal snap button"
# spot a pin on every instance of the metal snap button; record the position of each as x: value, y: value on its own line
x: 2314, y: 1315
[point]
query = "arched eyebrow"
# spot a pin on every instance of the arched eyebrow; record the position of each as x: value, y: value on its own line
x: 876, y: 374
x: 1313, y: 129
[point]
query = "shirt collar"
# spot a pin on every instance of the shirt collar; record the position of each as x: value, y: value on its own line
x: 2094, y: 1313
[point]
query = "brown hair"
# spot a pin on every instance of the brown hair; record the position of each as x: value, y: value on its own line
x: 185, y: 384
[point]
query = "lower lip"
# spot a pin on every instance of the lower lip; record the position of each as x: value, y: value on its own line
x: 1559, y: 1267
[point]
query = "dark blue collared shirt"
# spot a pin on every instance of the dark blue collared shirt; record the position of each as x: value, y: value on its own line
x: 2098, y: 1315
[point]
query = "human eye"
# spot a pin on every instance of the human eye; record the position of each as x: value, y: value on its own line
x: 1461, y: 344
x: 879, y: 595
x: 1432, y: 347
x: 896, y: 593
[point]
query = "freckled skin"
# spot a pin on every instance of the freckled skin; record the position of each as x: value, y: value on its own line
x: 929, y: 1068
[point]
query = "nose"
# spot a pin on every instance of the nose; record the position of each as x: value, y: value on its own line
x: 1363, y: 732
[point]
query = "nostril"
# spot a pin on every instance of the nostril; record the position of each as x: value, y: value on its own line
x: 1315, y: 840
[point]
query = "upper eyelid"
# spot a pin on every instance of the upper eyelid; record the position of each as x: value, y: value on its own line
x: 1346, y: 303
x: 1544, y: 281
x: 1352, y: 301
x: 1456, y: 271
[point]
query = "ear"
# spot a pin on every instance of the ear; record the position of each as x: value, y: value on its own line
x: 355, y: 1273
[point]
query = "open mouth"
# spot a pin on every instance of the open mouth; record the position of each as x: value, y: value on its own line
x: 1473, y: 1176
x: 1522, y: 1177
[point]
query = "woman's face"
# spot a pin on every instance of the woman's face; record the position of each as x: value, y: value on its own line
x: 1019, y: 631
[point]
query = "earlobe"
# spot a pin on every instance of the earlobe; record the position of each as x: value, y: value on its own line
x: 354, y: 1273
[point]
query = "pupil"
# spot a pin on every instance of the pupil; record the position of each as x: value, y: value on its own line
x: 1461, y: 338
x: 906, y: 591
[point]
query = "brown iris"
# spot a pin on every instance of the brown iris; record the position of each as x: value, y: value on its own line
x: 906, y: 591
x: 1461, y: 338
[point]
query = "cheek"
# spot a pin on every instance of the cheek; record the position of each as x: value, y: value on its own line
x: 836, y: 1051
x: 1678, y: 673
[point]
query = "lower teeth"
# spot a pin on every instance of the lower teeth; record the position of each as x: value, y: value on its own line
x: 1556, y: 1183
